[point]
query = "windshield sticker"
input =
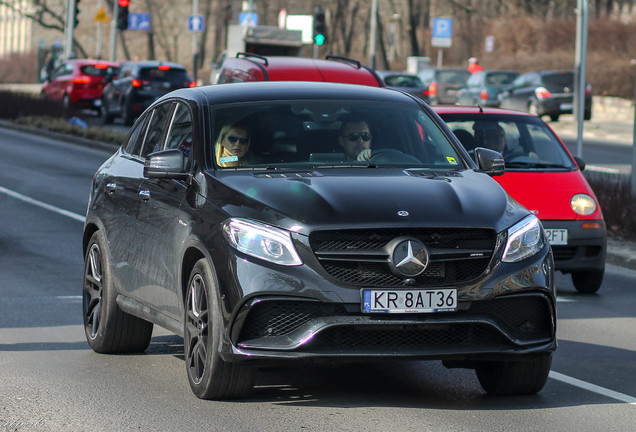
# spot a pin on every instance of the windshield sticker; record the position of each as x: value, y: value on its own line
x: 451, y: 160
x: 227, y: 159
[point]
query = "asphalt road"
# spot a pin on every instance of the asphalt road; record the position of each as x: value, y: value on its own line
x: 51, y: 381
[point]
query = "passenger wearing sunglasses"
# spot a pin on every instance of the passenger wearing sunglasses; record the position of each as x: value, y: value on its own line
x: 232, y: 146
x: 355, y: 139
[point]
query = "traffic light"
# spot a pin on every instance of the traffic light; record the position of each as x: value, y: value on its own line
x: 320, y: 26
x: 77, y: 11
x: 122, y: 15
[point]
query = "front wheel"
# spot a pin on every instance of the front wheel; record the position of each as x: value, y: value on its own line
x: 588, y: 282
x: 519, y: 377
x: 108, y: 329
x: 209, y: 375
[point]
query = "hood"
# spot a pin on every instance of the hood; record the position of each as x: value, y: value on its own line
x: 548, y: 194
x: 367, y: 198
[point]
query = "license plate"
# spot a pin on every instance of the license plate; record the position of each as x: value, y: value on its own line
x: 409, y: 301
x: 565, y: 106
x: 557, y: 236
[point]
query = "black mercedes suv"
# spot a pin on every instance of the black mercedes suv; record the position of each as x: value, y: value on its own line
x: 270, y: 222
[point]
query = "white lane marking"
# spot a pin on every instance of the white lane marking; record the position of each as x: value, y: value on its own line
x: 564, y: 300
x: 593, y: 388
x: 44, y: 205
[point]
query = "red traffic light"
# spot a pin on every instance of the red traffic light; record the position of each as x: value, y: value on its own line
x: 124, y: 3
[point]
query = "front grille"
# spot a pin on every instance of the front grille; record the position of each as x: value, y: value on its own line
x: 525, y: 317
x: 361, y: 257
x: 410, y: 339
x: 563, y: 253
x: 279, y: 318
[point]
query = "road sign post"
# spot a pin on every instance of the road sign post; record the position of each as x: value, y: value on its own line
x: 442, y: 36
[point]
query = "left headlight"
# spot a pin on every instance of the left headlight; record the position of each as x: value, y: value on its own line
x: 525, y: 238
x: 583, y: 204
x: 262, y: 241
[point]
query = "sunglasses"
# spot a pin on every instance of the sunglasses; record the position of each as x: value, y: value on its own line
x: 355, y: 136
x: 232, y: 139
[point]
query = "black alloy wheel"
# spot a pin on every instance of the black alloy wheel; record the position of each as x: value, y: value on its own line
x: 108, y: 329
x: 209, y: 375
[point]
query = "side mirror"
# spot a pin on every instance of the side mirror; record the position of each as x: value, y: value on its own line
x: 489, y: 161
x: 580, y: 162
x: 168, y: 164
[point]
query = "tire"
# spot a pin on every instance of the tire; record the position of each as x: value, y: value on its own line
x: 522, y: 377
x: 126, y: 116
x: 588, y: 282
x: 533, y: 108
x: 554, y: 117
x: 108, y: 329
x: 66, y: 104
x: 209, y: 375
x: 104, y: 116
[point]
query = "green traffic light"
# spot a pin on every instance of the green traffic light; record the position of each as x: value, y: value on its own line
x: 319, y: 39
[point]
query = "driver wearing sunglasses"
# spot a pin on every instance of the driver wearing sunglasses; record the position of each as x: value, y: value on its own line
x: 355, y: 139
x: 232, y: 146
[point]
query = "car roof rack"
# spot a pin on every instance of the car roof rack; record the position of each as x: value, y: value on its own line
x: 246, y: 54
x: 356, y: 63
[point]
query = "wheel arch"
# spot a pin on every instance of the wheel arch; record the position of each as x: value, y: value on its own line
x: 190, y: 258
x: 89, y: 230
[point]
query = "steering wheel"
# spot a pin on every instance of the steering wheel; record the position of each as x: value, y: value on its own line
x: 389, y: 155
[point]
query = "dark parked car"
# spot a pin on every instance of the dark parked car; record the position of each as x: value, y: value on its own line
x: 483, y: 88
x: 545, y: 93
x: 293, y: 252
x: 78, y: 83
x: 443, y: 83
x: 543, y: 176
x: 137, y: 85
x: 407, y: 82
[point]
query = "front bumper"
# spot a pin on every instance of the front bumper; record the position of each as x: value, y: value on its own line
x: 510, y: 312
x: 586, y: 247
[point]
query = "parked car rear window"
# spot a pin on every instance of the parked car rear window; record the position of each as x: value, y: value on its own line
x: 452, y: 76
x: 559, y: 80
x: 94, y: 70
x: 171, y: 75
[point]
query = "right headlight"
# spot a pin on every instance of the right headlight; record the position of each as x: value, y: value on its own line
x: 262, y: 241
x: 525, y: 238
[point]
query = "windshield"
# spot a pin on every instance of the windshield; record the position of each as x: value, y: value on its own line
x: 328, y: 133
x: 525, y: 142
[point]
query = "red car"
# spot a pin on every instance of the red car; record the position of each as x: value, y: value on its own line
x: 78, y: 83
x: 254, y: 67
x: 543, y: 176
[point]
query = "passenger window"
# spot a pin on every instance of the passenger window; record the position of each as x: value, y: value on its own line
x: 155, y: 137
x: 136, y: 137
x: 180, y: 133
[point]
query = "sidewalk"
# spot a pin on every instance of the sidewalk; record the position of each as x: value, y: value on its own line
x: 612, y: 120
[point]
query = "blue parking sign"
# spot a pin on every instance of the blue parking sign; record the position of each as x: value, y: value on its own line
x: 442, y: 27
